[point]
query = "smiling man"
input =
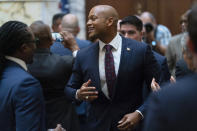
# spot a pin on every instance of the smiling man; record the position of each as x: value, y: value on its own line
x: 110, y: 73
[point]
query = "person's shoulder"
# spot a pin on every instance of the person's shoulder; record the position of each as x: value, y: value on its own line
x: 20, y: 78
x: 82, y: 43
x: 89, y: 48
x: 177, y: 36
x: 184, y: 87
x: 159, y: 57
x: 61, y: 59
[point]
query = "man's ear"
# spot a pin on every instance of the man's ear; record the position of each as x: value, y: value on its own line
x: 78, y: 30
x: 110, y: 21
x: 23, y: 48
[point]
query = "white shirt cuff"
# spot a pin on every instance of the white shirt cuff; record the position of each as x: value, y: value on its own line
x: 76, y: 97
x: 75, y: 53
x: 140, y: 113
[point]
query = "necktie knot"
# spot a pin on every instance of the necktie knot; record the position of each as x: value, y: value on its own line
x: 108, y: 47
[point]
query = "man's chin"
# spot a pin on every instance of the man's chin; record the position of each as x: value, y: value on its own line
x: 92, y: 36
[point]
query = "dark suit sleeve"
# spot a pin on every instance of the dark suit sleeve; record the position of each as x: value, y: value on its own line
x: 165, y: 72
x: 75, y: 80
x: 29, y: 106
x: 151, y: 69
x: 155, y: 118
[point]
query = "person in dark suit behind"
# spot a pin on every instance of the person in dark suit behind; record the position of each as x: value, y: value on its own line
x: 53, y: 72
x: 22, y: 103
x: 69, y: 23
x: 131, y: 27
x: 112, y: 88
x: 175, y: 108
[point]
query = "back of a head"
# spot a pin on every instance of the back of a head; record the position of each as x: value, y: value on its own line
x: 70, y: 23
x: 13, y: 34
x: 132, y: 20
x: 148, y: 17
x: 192, y: 26
x: 42, y: 33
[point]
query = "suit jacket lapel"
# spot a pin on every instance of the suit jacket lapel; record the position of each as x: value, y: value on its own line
x: 126, y: 52
x: 94, y: 62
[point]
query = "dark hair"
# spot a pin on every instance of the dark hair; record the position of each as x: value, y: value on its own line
x: 132, y: 20
x: 192, y: 26
x: 56, y: 17
x: 12, y: 35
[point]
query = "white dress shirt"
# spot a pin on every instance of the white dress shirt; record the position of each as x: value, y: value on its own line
x: 18, y: 61
x: 116, y: 43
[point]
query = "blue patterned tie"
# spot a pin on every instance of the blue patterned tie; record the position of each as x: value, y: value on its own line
x: 109, y: 69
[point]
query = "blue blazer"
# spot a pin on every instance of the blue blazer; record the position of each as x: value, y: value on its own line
x: 137, y: 64
x: 174, y: 108
x: 58, y: 48
x: 21, y: 101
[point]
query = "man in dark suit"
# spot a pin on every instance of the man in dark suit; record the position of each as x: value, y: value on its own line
x: 69, y: 23
x: 175, y: 108
x: 53, y: 72
x: 21, y: 99
x: 131, y: 27
x: 111, y: 82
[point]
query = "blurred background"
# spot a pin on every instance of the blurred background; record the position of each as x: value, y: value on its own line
x: 166, y: 12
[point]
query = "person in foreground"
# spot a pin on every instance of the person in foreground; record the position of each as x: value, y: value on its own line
x: 22, y: 104
x: 175, y: 108
x: 109, y: 75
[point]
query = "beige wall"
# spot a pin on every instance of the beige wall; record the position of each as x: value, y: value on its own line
x: 28, y: 10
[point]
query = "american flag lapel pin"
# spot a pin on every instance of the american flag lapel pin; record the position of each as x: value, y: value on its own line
x: 128, y: 49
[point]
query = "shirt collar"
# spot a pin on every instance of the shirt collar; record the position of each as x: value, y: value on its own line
x: 18, y: 61
x: 115, y: 43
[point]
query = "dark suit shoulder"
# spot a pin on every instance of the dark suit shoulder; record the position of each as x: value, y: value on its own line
x: 182, y: 88
x: 82, y: 43
x: 88, y: 50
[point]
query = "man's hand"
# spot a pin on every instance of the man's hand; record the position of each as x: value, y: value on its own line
x: 129, y: 121
x: 59, y: 128
x: 154, y: 85
x: 172, y: 79
x: 87, y: 93
x: 69, y: 41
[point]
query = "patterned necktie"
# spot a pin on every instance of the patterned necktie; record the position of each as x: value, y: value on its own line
x: 109, y: 69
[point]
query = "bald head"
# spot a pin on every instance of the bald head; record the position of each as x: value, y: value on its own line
x: 107, y: 11
x: 70, y: 23
x: 147, y: 17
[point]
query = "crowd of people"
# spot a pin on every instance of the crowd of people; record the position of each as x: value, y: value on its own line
x: 132, y: 75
